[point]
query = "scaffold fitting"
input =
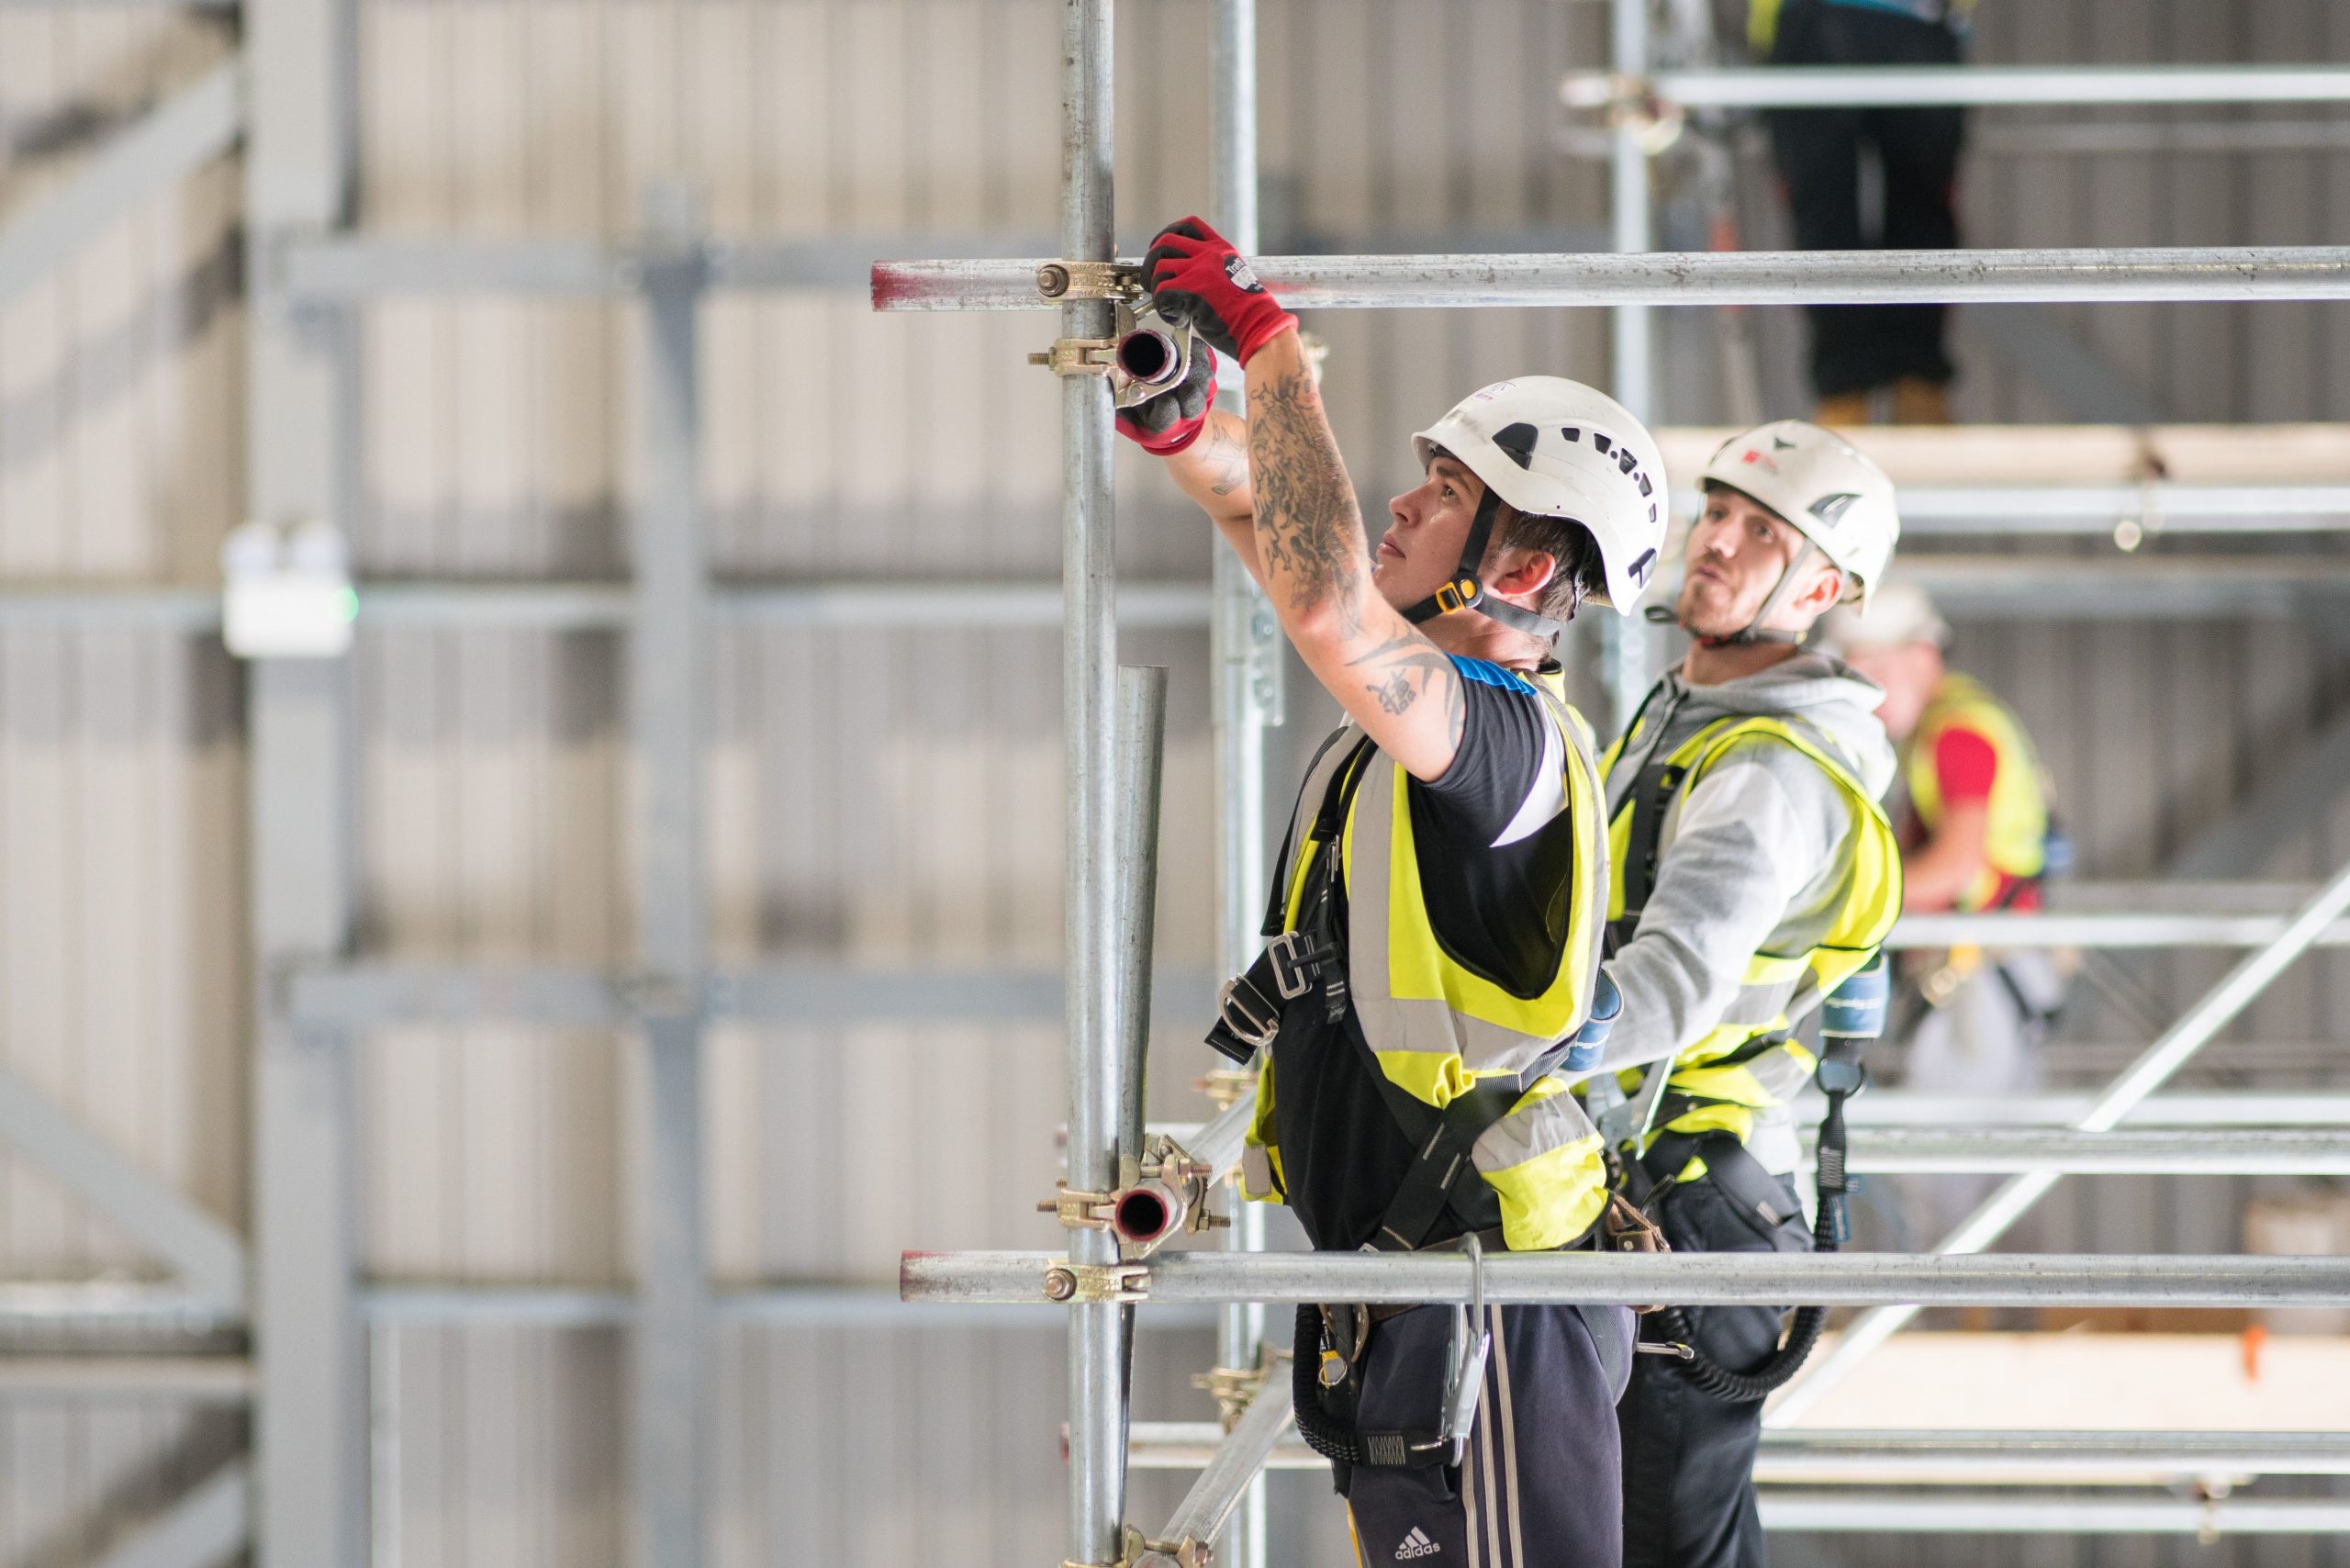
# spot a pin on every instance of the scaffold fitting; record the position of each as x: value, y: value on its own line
x: 1094, y: 1284
x: 1061, y: 282
x: 1078, y: 356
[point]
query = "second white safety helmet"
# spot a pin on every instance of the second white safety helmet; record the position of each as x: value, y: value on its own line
x: 1558, y: 448
x: 1824, y: 487
x: 1899, y: 613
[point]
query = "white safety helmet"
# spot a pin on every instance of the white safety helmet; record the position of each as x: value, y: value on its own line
x: 1824, y: 488
x: 1556, y: 448
x: 1896, y: 615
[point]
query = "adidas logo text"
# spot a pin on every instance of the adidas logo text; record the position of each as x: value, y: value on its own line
x: 1416, y: 1544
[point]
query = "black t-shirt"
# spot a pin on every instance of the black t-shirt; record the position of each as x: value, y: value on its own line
x: 1496, y: 847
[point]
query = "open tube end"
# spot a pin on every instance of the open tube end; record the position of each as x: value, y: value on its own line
x: 1146, y: 1213
x: 1150, y: 356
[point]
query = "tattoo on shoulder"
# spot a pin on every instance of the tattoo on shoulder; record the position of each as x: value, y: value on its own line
x: 1402, y: 670
x: 1229, y: 456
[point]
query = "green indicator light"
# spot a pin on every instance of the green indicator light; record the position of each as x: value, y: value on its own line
x: 348, y: 603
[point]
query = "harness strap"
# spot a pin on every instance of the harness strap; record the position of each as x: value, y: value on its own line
x: 1443, y: 1172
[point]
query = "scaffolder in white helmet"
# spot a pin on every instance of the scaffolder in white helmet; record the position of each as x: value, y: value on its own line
x: 1432, y: 932
x: 1754, y: 877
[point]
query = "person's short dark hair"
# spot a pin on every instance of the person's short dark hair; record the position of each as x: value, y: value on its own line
x: 1579, y: 574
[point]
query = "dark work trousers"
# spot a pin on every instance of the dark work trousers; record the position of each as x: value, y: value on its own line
x: 1539, y: 1487
x: 1856, y: 348
x: 1689, y: 1457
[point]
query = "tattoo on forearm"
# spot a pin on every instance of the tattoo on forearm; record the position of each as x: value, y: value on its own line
x: 1404, y: 669
x: 1309, y: 527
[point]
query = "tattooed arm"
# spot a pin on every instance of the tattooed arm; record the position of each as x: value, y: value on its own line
x: 1213, y: 471
x: 1315, y: 563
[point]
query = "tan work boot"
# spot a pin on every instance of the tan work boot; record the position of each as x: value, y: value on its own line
x: 1918, y: 401
x: 1842, y: 409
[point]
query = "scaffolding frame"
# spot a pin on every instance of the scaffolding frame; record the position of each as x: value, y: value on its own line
x: 291, y: 96
x: 1095, y: 1278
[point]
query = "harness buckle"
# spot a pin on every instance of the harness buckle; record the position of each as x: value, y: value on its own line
x: 1460, y: 594
x: 1296, y: 964
x: 1254, y: 1030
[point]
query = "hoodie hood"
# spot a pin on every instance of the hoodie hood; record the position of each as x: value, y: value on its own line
x: 1820, y: 691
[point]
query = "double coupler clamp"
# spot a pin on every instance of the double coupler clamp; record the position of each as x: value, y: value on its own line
x: 1064, y: 282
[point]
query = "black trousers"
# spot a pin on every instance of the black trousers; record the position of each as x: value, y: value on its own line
x: 1539, y: 1487
x: 1689, y: 1457
x: 1857, y: 347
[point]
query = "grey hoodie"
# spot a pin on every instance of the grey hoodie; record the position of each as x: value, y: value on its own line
x: 1755, y: 857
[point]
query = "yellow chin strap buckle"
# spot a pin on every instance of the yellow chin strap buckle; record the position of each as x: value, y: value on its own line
x: 1460, y: 595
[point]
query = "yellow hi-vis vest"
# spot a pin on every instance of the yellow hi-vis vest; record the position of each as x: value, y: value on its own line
x: 2017, y: 845
x: 1435, y: 1027
x: 1748, y: 1061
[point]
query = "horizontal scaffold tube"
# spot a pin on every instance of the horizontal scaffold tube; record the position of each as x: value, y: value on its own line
x: 2055, y: 1458
x: 1841, y: 86
x: 1666, y: 277
x: 1847, y: 1279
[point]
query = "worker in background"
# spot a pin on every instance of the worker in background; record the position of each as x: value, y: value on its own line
x: 1858, y: 351
x: 1754, y: 877
x: 1435, y: 918
x: 1972, y: 808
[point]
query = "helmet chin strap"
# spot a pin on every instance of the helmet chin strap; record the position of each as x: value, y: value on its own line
x: 1466, y: 590
x: 1754, y: 633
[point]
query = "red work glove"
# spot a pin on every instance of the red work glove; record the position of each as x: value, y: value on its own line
x: 1195, y: 276
x: 1168, y: 423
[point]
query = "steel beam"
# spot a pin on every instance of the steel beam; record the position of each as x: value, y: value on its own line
x: 1844, y: 86
x: 1841, y: 1279
x: 309, y: 1419
x: 1959, y: 1513
x: 207, y: 1255
x: 2153, y: 929
x: 208, y: 1527
x: 1898, y: 1108
x: 1982, y: 587
x: 188, y: 1380
x: 1877, y: 1457
x: 177, y: 136
x: 1753, y: 277
x: 668, y: 1361
x: 2165, y: 1152
x: 2016, y: 1196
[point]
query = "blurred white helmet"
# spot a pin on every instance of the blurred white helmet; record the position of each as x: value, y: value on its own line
x: 1824, y: 488
x: 1558, y: 448
x: 1899, y: 614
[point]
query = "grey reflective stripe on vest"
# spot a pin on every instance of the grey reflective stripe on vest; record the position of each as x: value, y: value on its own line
x: 1399, y: 1024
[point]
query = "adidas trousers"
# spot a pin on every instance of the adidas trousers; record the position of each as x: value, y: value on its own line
x: 1539, y: 1488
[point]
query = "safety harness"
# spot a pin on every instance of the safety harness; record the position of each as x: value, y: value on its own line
x: 1310, y: 953
x: 1852, y: 1013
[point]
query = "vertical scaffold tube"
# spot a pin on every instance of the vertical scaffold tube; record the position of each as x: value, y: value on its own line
x: 1089, y: 719
x: 1142, y: 745
x: 1244, y: 656
x: 1633, y: 327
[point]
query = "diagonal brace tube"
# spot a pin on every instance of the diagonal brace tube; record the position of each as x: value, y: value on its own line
x: 1238, y: 1461
x: 2154, y: 1068
x: 208, y: 1256
x: 172, y: 141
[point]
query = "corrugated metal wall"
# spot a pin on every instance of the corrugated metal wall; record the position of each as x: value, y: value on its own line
x: 874, y: 796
